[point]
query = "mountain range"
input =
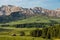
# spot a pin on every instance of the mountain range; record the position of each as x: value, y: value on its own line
x: 8, y: 9
x: 11, y: 13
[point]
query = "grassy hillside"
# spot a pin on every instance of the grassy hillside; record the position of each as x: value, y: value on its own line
x: 6, y: 32
x: 35, y: 19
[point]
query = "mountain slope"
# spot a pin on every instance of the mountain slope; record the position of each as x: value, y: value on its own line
x: 36, y: 19
x: 9, y: 13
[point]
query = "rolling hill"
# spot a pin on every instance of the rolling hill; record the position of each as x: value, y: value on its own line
x: 36, y: 19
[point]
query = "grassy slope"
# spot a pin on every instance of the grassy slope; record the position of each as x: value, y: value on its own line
x: 35, y: 19
x: 19, y: 38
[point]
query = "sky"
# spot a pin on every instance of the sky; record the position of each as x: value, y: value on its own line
x: 48, y: 4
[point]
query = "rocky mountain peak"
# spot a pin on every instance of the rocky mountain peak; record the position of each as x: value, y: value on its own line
x: 8, y: 9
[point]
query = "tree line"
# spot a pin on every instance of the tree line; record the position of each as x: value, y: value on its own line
x: 46, y: 32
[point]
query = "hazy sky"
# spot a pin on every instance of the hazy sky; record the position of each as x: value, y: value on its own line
x: 49, y: 4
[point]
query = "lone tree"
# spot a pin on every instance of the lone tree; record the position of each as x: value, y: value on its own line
x: 36, y: 33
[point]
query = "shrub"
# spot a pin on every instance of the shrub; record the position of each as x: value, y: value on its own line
x: 22, y: 33
x: 13, y: 34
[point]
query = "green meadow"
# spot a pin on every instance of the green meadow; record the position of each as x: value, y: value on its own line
x: 6, y: 32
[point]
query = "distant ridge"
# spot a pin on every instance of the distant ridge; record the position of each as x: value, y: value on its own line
x: 11, y: 13
x: 8, y: 9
